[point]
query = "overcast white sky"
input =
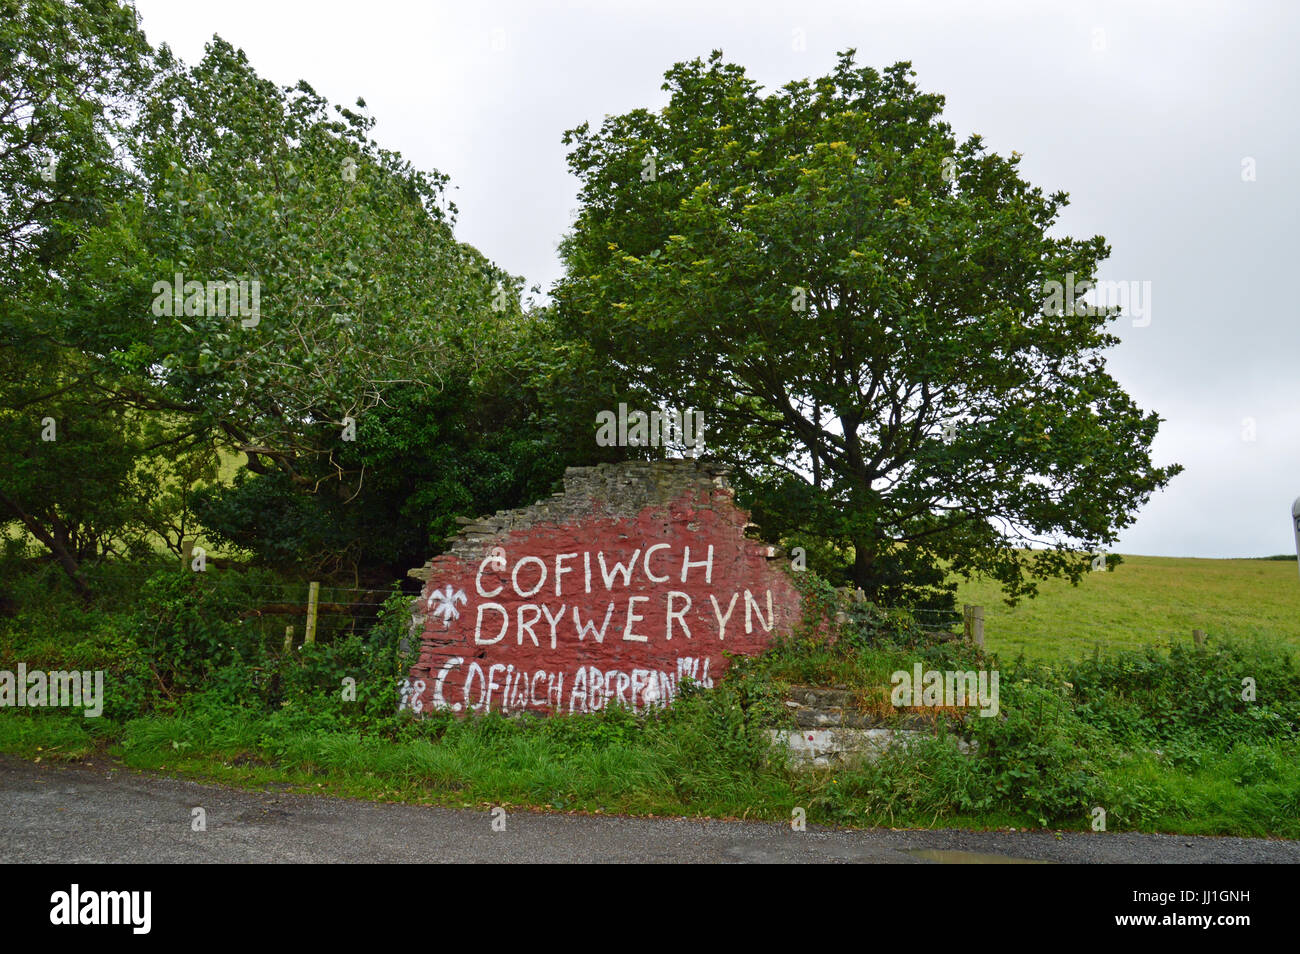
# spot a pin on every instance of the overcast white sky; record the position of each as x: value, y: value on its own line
x: 1143, y: 112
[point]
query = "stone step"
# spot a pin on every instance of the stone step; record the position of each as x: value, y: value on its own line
x: 827, y: 748
x: 837, y: 725
x: 852, y: 719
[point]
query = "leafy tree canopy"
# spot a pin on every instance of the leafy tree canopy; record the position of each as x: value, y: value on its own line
x: 349, y: 279
x: 218, y: 261
x: 69, y: 475
x: 855, y: 301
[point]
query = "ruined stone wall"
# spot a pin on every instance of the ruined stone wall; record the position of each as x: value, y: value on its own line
x: 637, y: 576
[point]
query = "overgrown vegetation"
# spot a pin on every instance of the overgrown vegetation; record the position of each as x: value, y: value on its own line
x: 1162, y: 740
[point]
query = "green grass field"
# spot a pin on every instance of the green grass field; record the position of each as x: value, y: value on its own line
x: 1144, y: 601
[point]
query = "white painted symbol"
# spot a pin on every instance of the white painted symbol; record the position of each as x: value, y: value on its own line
x: 412, y: 695
x: 447, y: 598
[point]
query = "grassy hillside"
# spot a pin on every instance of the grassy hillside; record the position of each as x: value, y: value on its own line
x: 1145, y: 600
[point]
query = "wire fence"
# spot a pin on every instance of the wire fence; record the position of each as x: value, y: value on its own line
x: 933, y: 619
x: 259, y: 598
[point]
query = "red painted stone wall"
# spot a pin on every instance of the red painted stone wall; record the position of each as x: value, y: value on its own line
x: 638, y: 576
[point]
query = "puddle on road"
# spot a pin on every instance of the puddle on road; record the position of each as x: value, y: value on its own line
x: 945, y: 857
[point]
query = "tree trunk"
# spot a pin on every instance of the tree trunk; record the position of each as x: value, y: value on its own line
x: 59, y: 551
x: 864, y: 558
x: 812, y: 448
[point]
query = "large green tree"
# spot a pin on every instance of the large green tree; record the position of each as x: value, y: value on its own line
x: 360, y: 284
x: 365, y: 393
x: 246, y: 269
x: 855, y: 302
x: 69, y: 455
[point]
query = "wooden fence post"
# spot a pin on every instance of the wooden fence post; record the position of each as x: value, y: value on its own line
x: 313, y: 597
x: 288, y: 638
x: 1198, y: 637
x: 973, y: 621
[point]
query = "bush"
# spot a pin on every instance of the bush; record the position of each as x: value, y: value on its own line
x: 191, y: 636
x: 1038, y: 756
x: 1193, y: 694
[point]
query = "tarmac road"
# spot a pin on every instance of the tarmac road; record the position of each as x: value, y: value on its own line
x: 99, y: 812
